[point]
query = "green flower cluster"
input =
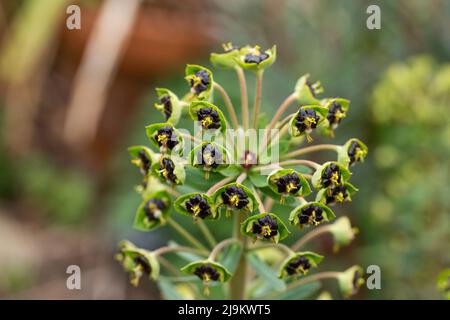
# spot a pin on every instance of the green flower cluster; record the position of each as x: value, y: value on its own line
x: 241, y: 189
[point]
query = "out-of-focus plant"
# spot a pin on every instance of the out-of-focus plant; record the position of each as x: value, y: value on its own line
x: 244, y: 171
x: 410, y: 109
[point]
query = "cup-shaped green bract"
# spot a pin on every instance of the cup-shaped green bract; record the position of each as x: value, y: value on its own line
x: 169, y: 105
x: 299, y: 264
x: 235, y: 197
x: 228, y: 59
x: 336, y: 194
x: 210, y: 156
x: 306, y: 91
x: 196, y: 205
x: 165, y: 137
x: 253, y: 58
x: 209, y: 116
x: 153, y: 211
x: 288, y: 182
x: 310, y: 214
x: 169, y: 169
x: 306, y: 119
x: 336, y: 111
x: 330, y: 174
x: 353, y: 151
x: 443, y: 283
x: 138, y: 262
x: 343, y: 232
x: 142, y: 157
x: 207, y: 271
x: 350, y: 281
x: 265, y: 226
x: 200, y: 80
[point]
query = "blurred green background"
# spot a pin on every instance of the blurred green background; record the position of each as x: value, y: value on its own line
x: 72, y: 101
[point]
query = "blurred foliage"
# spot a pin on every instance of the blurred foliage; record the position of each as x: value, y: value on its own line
x: 409, y: 201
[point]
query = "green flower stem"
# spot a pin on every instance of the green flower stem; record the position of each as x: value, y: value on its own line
x: 268, y: 203
x: 238, y: 283
x: 279, y: 246
x: 310, y: 149
x: 185, y: 234
x: 219, y: 184
x: 241, y: 177
x: 228, y: 104
x: 220, y: 246
x: 244, y: 96
x: 258, y: 93
x: 281, y: 109
x: 309, y: 163
x: 284, y: 121
x: 267, y: 140
x: 309, y: 236
x: 171, y: 249
x: 308, y: 279
x: 206, y: 233
x: 190, y: 137
x: 258, y: 199
x: 301, y: 199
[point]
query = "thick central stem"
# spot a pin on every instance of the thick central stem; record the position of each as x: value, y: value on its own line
x: 239, y: 281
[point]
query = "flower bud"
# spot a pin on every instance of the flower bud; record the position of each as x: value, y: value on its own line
x: 298, y: 264
x: 306, y: 120
x: 330, y: 174
x: 252, y: 58
x: 170, y: 170
x: 200, y: 79
x: 165, y: 136
x: 288, y: 182
x: 310, y: 214
x: 352, y: 151
x: 153, y: 211
x: 350, y: 281
x: 169, y: 105
x: 208, y: 115
x: 235, y: 197
x: 342, y: 232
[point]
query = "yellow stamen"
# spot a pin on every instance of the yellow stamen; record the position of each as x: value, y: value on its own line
x: 335, y: 178
x: 359, y: 154
x: 207, y: 121
x: 310, y: 121
x: 339, y: 197
x: 234, y: 200
x: 162, y: 138
x: 196, y: 210
x: 291, y: 186
x: 266, y: 230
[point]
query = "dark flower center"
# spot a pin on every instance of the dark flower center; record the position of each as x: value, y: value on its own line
x: 207, y: 273
x: 266, y: 227
x: 200, y: 81
x: 167, y: 168
x: 141, y: 262
x: 355, y: 152
x: 335, y: 113
x: 311, y: 215
x: 153, y: 209
x: 198, y: 206
x: 255, y: 58
x: 298, y: 266
x: 235, y: 197
x: 167, y: 104
x: 165, y: 137
x: 145, y: 162
x: 306, y: 120
x: 289, y: 183
x: 209, y: 118
x: 331, y: 175
x: 210, y: 156
x: 336, y: 194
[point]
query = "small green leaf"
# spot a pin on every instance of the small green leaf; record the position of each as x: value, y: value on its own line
x: 258, y: 179
x: 266, y: 273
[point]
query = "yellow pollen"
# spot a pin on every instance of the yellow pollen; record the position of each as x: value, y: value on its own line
x: 196, y: 210
x: 339, y: 197
x: 309, y: 121
x: 207, y: 121
x: 209, y: 160
x: 162, y: 138
x: 234, y: 200
x: 291, y: 186
x: 339, y: 115
x: 266, y: 230
x: 137, y: 162
x: 335, y: 178
x: 359, y: 155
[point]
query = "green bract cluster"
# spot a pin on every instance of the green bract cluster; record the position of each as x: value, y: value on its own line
x: 242, y: 180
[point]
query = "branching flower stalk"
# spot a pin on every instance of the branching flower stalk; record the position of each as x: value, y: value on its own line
x: 233, y: 176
